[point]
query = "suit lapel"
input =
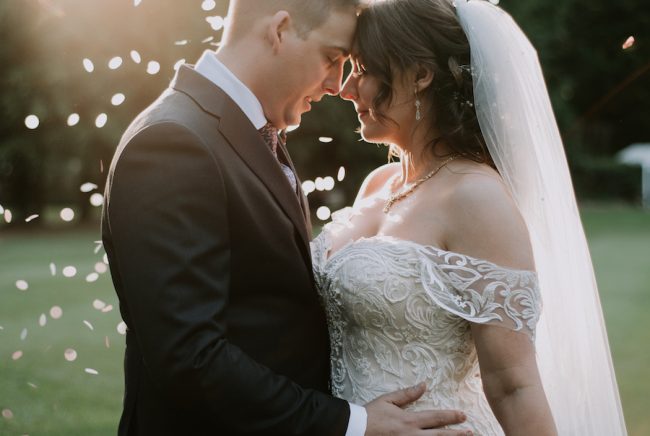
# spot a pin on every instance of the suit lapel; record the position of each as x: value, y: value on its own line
x: 246, y: 142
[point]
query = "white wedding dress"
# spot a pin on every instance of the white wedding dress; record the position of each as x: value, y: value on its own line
x: 399, y: 313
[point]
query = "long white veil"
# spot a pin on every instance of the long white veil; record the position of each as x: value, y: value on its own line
x: 517, y: 121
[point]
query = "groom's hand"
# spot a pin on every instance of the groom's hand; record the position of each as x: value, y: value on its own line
x: 386, y: 416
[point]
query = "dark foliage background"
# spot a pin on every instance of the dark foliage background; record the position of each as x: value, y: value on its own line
x: 599, y: 90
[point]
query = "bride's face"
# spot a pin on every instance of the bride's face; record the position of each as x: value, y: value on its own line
x: 398, y: 119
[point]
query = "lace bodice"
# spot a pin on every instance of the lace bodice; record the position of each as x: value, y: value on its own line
x: 399, y: 313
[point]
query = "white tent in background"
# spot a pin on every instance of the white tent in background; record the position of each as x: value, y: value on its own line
x: 639, y: 154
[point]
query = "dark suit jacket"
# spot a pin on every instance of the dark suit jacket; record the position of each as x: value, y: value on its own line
x: 209, y: 255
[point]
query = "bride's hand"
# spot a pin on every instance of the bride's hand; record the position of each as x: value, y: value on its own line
x: 386, y: 416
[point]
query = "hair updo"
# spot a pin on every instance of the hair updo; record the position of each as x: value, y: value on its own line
x: 395, y: 35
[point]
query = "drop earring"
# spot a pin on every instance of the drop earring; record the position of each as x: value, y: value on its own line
x: 418, y: 106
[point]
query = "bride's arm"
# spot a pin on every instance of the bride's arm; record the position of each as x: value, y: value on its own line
x: 485, y: 223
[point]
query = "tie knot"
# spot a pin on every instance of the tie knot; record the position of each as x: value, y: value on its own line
x: 270, y: 135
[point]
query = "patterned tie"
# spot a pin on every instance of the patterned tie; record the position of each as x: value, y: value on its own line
x: 270, y: 135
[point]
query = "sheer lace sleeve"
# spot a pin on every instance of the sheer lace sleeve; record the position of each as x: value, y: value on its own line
x: 480, y: 291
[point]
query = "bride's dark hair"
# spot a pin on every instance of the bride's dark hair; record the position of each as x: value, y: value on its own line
x: 395, y: 35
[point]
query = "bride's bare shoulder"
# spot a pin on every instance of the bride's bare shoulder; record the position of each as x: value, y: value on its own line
x: 377, y: 179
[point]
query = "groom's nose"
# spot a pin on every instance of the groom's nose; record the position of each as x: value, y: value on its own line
x: 332, y: 83
x: 348, y: 92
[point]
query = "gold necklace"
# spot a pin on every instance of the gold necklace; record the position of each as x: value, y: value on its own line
x: 400, y: 195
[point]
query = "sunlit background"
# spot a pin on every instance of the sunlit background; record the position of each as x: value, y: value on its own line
x: 74, y: 73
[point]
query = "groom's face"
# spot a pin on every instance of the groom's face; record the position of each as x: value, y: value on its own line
x: 310, y: 67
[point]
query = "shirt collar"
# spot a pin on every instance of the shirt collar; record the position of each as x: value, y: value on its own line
x: 212, y: 69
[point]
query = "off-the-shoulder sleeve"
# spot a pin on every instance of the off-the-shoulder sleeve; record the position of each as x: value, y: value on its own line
x: 480, y: 291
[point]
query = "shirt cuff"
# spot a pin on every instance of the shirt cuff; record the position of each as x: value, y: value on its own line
x: 358, y: 421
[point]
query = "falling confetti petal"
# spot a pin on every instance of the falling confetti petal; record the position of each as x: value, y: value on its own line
x: 105, y: 259
x: 73, y: 120
x: 23, y: 334
x: 308, y: 187
x: 341, y: 174
x: 7, y: 414
x: 100, y: 267
x: 208, y: 39
x: 320, y: 184
x: 52, y: 268
x: 121, y: 328
x: 115, y: 63
x: 97, y: 199
x: 98, y: 247
x: 22, y: 285
x: 67, y: 214
x: 17, y: 355
x: 135, y: 56
x: 87, y: 187
x: 70, y: 355
x: 208, y: 5
x: 2, y: 209
x: 328, y: 183
x: 8, y: 216
x: 99, y: 304
x: 88, y: 65
x: 153, y: 67
x: 32, y: 385
x: 107, y: 342
x: 215, y: 22
x: 32, y: 122
x: 101, y: 120
x: 325, y: 139
x: 181, y: 42
x: 118, y: 99
x: 107, y: 308
x: 136, y: 2
x: 91, y: 371
x: 323, y: 213
x: 69, y: 271
x: 92, y: 277
x: 629, y: 42
x: 89, y: 325
x: 42, y: 320
x: 31, y: 218
x: 56, y: 312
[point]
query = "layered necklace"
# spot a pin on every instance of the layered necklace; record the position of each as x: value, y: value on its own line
x: 408, y: 191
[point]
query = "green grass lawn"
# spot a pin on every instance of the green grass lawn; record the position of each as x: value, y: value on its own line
x: 49, y: 395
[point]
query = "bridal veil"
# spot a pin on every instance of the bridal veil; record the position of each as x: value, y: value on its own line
x: 517, y: 121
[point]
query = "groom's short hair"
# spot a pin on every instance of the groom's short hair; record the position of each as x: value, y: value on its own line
x: 307, y: 14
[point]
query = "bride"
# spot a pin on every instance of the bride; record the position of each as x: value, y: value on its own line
x: 438, y: 272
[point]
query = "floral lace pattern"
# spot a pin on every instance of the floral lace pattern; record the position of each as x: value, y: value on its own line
x: 399, y: 313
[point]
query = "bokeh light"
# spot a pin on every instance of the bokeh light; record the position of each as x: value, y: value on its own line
x: 32, y: 122
x: 115, y: 63
x: 118, y: 99
x: 67, y: 214
x: 97, y: 199
x: 135, y: 56
x: 56, y: 312
x: 101, y: 120
x: 323, y: 213
x: 22, y: 285
x: 88, y: 65
x: 215, y: 22
x: 69, y: 271
x: 153, y: 67
x: 73, y: 120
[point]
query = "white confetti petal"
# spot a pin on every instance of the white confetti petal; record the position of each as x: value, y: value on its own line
x: 73, y: 119
x: 99, y: 304
x: 135, y: 56
x: 8, y: 216
x: 31, y: 218
x: 32, y: 385
x: 101, y: 120
x: 136, y: 3
x: 22, y: 285
x: 69, y: 271
x: 92, y: 277
x: 16, y: 355
x: 323, y: 213
x: 208, y: 39
x: 121, y: 328
x: 56, y: 312
x: 42, y: 320
x: 215, y: 22
x: 325, y: 139
x: 341, y: 174
x: 67, y: 214
x: 153, y: 67
x: 105, y: 259
x: 107, y: 342
x: 70, y: 355
x: 308, y: 187
x: 328, y: 183
x: 320, y: 184
x: 100, y: 267
x: 88, y: 65
x: 32, y: 122
x: 89, y: 325
x: 52, y: 268
x: 181, y: 42
x: 115, y: 63
x: 87, y: 187
x: 118, y: 99
x: 7, y: 414
x: 208, y: 5
x: 23, y: 334
x: 91, y: 371
x: 96, y: 199
x: 107, y: 308
x: 2, y: 210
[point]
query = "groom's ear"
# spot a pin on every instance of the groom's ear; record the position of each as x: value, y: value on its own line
x: 423, y: 77
x: 278, y: 28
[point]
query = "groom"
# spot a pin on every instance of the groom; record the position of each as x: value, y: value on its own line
x: 207, y: 233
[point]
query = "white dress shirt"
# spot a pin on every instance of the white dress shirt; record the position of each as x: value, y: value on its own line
x: 212, y: 69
